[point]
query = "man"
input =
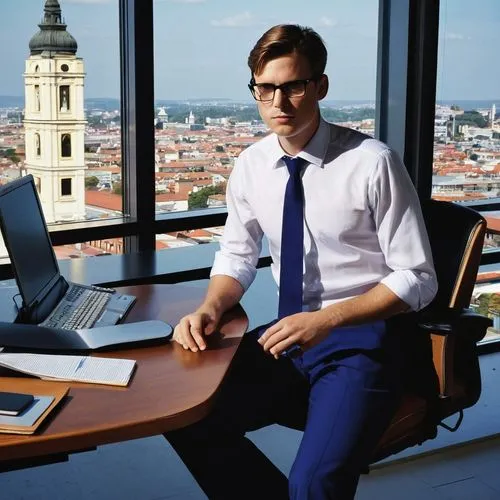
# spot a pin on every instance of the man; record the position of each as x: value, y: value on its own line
x: 359, y: 250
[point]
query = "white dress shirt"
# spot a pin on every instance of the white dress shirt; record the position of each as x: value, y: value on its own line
x: 362, y: 219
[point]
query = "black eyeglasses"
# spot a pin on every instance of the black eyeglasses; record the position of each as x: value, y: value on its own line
x: 264, y: 92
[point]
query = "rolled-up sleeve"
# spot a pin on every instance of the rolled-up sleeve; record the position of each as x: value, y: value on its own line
x: 241, y: 241
x: 401, y: 232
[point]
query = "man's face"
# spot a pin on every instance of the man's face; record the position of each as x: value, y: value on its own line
x: 293, y: 119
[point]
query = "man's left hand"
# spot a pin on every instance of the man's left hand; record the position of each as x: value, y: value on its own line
x: 304, y: 329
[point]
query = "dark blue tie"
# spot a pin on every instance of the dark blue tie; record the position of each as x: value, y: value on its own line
x: 292, y: 241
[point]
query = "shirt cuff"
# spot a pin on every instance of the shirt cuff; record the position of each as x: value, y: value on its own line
x: 416, y: 289
x: 231, y: 266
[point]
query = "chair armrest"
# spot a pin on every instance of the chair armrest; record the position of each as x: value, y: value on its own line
x: 462, y: 322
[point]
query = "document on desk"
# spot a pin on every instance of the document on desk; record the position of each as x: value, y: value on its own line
x: 87, y: 369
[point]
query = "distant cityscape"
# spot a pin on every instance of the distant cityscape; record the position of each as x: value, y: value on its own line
x: 198, y: 142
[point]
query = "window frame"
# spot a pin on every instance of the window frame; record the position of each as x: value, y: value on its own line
x: 64, y: 89
x: 66, y: 145
x: 64, y: 181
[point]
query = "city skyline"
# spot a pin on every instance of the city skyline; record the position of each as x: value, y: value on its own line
x: 188, y: 62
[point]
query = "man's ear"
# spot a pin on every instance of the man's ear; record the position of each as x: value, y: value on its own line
x: 323, y: 85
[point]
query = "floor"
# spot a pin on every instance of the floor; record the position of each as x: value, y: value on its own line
x: 464, y: 473
x: 147, y: 469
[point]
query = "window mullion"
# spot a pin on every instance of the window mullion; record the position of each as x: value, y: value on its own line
x: 137, y: 109
x: 406, y: 83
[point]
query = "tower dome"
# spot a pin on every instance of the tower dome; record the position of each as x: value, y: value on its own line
x: 52, y: 36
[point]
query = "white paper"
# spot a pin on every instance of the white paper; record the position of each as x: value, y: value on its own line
x: 71, y: 368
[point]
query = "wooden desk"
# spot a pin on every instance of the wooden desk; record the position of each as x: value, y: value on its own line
x: 171, y: 387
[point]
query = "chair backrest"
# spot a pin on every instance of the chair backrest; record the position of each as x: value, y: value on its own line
x: 456, y: 234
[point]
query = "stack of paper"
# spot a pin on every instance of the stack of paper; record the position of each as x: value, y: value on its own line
x: 88, y: 369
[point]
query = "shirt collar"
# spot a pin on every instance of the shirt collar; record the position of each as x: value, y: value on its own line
x: 314, y: 152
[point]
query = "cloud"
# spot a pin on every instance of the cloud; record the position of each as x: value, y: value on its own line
x: 327, y: 22
x: 236, y: 21
x: 456, y: 36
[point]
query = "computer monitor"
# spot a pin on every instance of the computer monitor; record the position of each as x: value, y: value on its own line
x: 27, y: 240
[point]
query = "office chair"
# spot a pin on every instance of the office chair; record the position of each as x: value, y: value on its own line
x: 456, y: 234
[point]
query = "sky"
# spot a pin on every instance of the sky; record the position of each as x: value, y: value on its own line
x: 201, y: 46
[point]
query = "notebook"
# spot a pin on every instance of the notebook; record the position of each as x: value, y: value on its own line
x: 47, y: 395
x: 47, y: 299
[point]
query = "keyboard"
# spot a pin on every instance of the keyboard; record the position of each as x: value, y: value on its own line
x: 80, y: 308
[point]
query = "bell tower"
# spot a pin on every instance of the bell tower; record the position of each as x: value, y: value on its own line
x: 54, y: 118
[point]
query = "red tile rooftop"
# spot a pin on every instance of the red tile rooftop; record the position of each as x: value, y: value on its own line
x: 202, y: 182
x: 493, y: 224
x: 196, y: 233
x: 166, y: 175
x: 182, y: 195
x: 104, y: 199
x: 114, y: 169
x: 194, y: 176
x: 161, y: 245
x: 489, y: 276
x: 70, y: 252
x: 462, y: 197
x: 186, y: 163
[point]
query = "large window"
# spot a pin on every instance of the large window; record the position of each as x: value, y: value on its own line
x: 204, y: 113
x: 466, y: 166
x: 63, y: 112
x: 130, y: 146
x: 467, y: 127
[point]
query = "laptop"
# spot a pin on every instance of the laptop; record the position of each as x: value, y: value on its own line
x: 47, y: 299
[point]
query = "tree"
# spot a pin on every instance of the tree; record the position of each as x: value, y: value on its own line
x: 117, y: 188
x: 473, y: 118
x: 199, y: 199
x: 483, y: 303
x: 91, y: 182
x: 6, y: 153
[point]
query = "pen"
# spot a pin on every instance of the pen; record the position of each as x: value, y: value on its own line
x: 80, y: 364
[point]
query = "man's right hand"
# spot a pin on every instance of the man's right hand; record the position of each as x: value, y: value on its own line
x: 223, y: 293
x: 192, y: 329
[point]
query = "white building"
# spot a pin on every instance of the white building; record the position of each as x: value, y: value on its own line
x: 54, y: 118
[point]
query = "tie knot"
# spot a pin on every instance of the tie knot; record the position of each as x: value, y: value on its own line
x: 294, y: 165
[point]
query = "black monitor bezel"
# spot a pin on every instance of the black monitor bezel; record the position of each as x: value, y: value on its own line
x: 42, y: 293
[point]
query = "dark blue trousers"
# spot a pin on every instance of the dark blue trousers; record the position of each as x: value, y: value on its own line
x: 343, y: 398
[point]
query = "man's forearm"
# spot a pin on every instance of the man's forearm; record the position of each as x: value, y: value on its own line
x: 377, y: 304
x: 223, y: 293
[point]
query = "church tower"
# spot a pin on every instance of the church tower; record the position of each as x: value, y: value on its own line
x: 54, y: 118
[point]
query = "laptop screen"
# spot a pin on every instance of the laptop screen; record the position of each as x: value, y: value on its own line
x: 27, y: 240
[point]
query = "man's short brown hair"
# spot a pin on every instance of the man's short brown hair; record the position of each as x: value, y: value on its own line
x: 285, y: 39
